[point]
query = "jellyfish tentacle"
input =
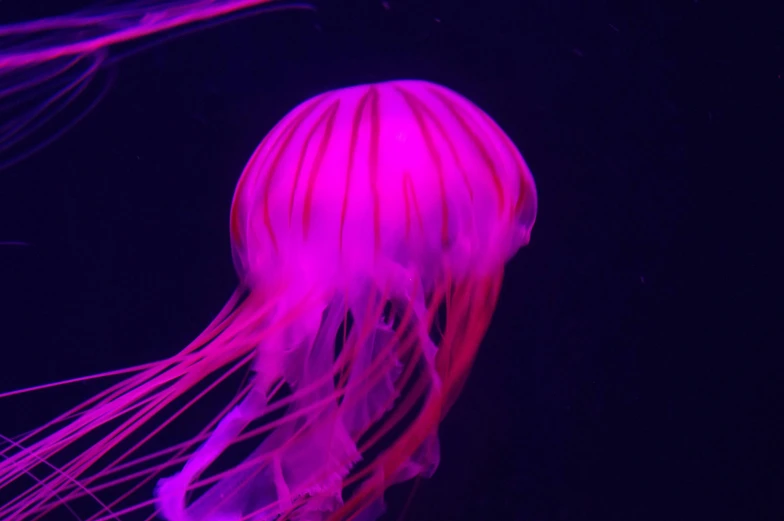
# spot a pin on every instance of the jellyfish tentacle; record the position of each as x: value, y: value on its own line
x: 302, y: 463
x: 321, y: 452
x: 281, y: 487
x: 370, y: 387
x: 365, y: 402
x: 379, y: 375
x: 170, y: 492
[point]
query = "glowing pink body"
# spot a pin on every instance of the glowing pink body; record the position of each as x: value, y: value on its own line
x: 381, y: 203
x: 359, y: 196
x: 370, y: 230
x: 357, y: 181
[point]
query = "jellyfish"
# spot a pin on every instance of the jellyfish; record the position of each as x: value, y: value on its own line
x: 370, y: 230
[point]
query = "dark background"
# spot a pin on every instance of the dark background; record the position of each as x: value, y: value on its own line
x: 616, y: 381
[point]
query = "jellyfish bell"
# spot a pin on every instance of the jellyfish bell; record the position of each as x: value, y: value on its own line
x: 406, y: 173
x: 370, y: 230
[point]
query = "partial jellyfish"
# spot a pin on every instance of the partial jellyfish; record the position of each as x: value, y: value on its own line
x: 48, y: 67
x: 370, y: 230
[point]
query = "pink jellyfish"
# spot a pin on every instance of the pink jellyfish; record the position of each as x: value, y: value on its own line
x: 370, y: 230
